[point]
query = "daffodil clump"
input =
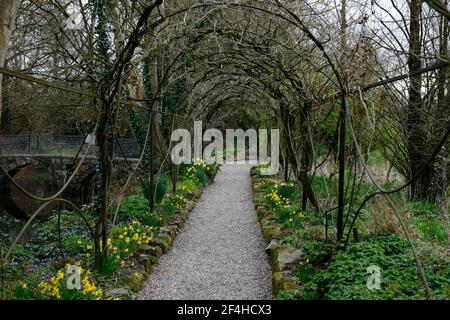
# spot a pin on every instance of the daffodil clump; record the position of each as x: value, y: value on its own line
x: 187, y: 188
x: 200, y: 171
x: 197, y: 173
x: 124, y: 242
x: 296, y: 218
x: 57, y: 288
x: 214, y: 167
x: 277, y: 200
x: 127, y: 239
x: 175, y: 202
x: 282, y: 198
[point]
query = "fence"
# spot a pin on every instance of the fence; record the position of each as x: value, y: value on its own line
x: 59, y: 145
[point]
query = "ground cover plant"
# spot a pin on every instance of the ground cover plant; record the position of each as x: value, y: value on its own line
x: 330, y: 272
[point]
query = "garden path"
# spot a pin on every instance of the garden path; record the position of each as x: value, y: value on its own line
x: 219, y: 254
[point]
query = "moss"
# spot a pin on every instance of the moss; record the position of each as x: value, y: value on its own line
x: 261, y: 211
x: 170, y: 231
x: 271, y: 232
x: 135, y: 280
x: 281, y: 281
x: 146, y: 261
x: 162, y: 241
x: 269, y: 219
x: 154, y: 251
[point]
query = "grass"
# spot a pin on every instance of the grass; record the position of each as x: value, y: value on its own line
x: 428, y: 220
x: 432, y: 229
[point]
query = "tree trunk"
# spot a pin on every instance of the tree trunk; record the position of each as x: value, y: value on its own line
x: 8, y: 12
x: 415, y: 123
x: 440, y: 165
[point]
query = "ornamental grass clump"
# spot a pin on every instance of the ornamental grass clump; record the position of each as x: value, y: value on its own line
x: 160, y: 186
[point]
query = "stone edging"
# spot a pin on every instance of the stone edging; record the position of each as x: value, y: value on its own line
x: 285, y: 258
x: 131, y: 279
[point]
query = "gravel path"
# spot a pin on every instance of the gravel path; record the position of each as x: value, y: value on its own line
x: 219, y: 254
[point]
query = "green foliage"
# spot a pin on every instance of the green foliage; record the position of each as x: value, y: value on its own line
x: 44, y: 243
x: 74, y: 244
x: 288, y: 191
x: 108, y: 264
x: 56, y: 287
x: 39, y: 264
x: 212, y: 170
x: 322, y: 185
x: 321, y: 150
x: 427, y: 220
x: 199, y: 172
x: 135, y: 206
x: 432, y: 228
x: 46, y: 284
x: 125, y: 240
x: 160, y: 185
x: 170, y: 103
x: 317, y: 252
x: 262, y: 166
x: 422, y: 208
x: 174, y: 203
x: 187, y: 188
x: 329, y: 126
x: 376, y: 158
x: 346, y: 275
x: 23, y: 292
x: 286, y: 295
x: 305, y: 273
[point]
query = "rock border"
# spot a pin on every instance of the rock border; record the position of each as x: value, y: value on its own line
x: 131, y: 279
x: 285, y: 258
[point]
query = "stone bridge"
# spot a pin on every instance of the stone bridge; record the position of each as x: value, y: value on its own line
x: 43, y: 163
x: 61, y: 167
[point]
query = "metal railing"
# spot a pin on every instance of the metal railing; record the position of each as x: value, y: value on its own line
x: 59, y: 145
